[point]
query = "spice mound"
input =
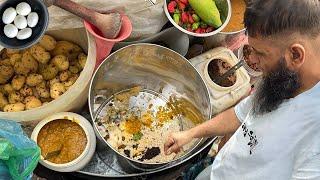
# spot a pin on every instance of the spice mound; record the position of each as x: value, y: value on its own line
x: 61, y: 141
x: 218, y: 67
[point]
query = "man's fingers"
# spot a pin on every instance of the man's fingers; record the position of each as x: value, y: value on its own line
x: 168, y: 144
x: 168, y: 151
x: 173, y: 149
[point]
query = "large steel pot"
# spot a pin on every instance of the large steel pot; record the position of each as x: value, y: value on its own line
x: 154, y: 68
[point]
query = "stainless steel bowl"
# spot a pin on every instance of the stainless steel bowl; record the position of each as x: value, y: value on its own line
x: 231, y: 40
x: 154, y: 68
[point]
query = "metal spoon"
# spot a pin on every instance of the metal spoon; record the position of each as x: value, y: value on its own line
x: 52, y: 154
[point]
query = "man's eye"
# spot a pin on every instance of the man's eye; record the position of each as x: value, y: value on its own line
x: 259, y: 54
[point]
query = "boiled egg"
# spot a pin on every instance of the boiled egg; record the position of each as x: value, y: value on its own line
x: 32, y: 19
x: 10, y: 30
x: 24, y: 33
x: 9, y: 15
x: 20, y: 22
x: 23, y: 8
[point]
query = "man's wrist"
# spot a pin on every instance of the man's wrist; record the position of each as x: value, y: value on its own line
x: 192, y: 133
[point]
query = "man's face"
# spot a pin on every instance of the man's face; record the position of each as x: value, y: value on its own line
x: 278, y: 83
x: 265, y: 54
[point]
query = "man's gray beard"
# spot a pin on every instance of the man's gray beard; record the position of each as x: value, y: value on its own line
x: 274, y: 88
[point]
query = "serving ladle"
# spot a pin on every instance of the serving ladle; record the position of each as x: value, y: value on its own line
x: 108, y: 24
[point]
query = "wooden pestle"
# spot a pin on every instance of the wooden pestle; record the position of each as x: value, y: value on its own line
x: 108, y: 24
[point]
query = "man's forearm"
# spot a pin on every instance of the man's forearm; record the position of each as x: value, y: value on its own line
x: 224, y: 123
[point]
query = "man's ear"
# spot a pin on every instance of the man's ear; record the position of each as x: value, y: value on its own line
x: 295, y: 56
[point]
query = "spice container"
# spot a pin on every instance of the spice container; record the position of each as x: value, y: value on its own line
x: 67, y: 141
x: 222, y: 97
x: 254, y: 74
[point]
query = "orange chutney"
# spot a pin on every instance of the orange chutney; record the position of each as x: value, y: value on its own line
x: 63, y: 136
x: 237, y: 16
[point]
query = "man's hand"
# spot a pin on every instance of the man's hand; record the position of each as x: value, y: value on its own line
x: 176, y: 141
x: 224, y: 123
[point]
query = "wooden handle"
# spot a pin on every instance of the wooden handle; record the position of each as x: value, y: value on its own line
x: 48, y: 3
x: 77, y: 9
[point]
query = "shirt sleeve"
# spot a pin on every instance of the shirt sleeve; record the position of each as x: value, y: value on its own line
x: 309, y: 169
x: 243, y: 108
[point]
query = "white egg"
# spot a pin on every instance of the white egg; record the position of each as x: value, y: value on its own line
x: 24, y: 33
x: 10, y: 30
x: 32, y: 19
x: 23, y: 9
x: 9, y: 15
x: 20, y: 22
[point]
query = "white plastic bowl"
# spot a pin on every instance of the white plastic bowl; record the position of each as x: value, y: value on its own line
x: 197, y: 34
x: 86, y: 155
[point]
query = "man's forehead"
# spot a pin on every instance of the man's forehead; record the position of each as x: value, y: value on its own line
x: 260, y: 43
x: 270, y: 43
x: 259, y: 40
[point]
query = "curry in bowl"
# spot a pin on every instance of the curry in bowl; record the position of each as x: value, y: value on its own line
x: 61, y: 141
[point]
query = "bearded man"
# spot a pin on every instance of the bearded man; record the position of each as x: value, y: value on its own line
x: 276, y: 131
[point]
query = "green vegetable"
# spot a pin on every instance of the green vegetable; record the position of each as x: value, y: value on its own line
x: 184, y: 26
x: 176, y: 18
x: 207, y: 11
x: 203, y: 25
x: 177, y: 11
x: 137, y: 136
x: 195, y: 18
x: 195, y: 26
x: 222, y: 6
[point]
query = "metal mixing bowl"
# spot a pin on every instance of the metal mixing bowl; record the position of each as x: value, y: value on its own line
x: 227, y: 15
x: 153, y: 68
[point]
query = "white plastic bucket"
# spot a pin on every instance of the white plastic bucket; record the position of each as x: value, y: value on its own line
x: 222, y: 98
x: 77, y: 95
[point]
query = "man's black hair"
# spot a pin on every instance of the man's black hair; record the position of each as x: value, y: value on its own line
x: 270, y: 17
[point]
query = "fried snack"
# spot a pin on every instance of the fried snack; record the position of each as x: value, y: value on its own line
x: 57, y: 90
x: 32, y: 102
x: 49, y: 72
x: 34, y: 79
x: 61, y: 62
x: 15, y: 97
x: 3, y: 101
x: 18, y: 82
x: 40, y: 54
x: 6, y: 72
x: 48, y: 42
x: 26, y: 91
x: 29, y: 61
x: 14, y: 107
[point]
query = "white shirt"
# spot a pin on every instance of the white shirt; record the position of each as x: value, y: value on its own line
x: 281, y: 145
